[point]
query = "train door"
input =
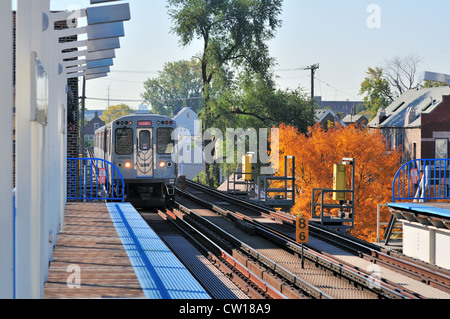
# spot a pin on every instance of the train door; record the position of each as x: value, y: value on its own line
x: 144, y: 152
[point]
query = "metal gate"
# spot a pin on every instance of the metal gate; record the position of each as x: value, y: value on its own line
x: 94, y: 179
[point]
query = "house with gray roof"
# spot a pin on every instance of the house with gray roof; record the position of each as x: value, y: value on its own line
x: 89, y: 130
x: 419, y: 122
x: 327, y: 116
x: 357, y: 119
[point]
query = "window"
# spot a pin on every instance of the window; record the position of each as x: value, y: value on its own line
x: 145, y: 142
x: 399, y: 142
x: 124, y: 141
x: 441, y: 148
x: 108, y: 139
x: 165, y: 143
x: 96, y: 126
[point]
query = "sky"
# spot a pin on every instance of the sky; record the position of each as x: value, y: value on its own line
x: 344, y: 37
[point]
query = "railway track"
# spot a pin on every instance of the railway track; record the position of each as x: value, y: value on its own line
x: 277, y: 229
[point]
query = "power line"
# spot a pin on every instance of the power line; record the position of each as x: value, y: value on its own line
x: 114, y: 100
x: 133, y: 71
x: 346, y: 93
x: 127, y: 100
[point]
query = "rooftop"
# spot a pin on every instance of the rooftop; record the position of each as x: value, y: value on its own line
x: 412, y: 103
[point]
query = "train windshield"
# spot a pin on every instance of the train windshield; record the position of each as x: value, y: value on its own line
x: 124, y: 141
x: 165, y: 143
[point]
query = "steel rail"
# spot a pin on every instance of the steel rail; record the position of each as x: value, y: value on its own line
x: 361, y: 277
x: 367, y: 251
x: 374, y: 254
x: 256, y: 287
x: 326, y: 261
x: 235, y: 243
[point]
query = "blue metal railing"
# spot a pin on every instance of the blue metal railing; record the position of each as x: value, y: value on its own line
x: 422, y: 180
x: 14, y: 243
x: 94, y: 179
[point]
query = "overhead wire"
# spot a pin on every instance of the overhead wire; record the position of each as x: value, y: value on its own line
x: 346, y: 93
x: 131, y: 100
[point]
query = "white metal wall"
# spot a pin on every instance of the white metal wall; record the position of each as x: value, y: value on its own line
x: 40, y: 151
x: 6, y: 140
x: 428, y: 244
x: 41, y: 148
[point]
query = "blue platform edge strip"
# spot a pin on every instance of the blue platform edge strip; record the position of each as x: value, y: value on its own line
x: 160, y: 273
x: 421, y: 208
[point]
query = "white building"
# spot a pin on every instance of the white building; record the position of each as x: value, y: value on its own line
x: 187, y: 118
x: 190, y: 150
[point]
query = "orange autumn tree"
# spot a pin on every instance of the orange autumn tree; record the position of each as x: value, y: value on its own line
x: 320, y: 149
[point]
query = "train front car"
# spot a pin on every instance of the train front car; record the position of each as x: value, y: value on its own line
x: 142, y: 149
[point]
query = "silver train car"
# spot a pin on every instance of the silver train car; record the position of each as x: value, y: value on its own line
x: 141, y: 147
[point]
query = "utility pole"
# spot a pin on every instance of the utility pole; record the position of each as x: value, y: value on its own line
x: 313, y: 69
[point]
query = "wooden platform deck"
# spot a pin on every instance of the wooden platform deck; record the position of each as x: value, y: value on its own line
x: 90, y: 261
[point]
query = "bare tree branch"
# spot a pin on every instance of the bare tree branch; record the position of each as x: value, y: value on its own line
x: 401, y: 72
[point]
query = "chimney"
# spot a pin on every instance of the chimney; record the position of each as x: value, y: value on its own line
x: 410, y: 116
x: 381, y: 116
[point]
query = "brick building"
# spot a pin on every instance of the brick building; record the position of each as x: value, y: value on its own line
x: 418, y: 122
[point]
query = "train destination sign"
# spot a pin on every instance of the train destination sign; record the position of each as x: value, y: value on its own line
x: 144, y: 123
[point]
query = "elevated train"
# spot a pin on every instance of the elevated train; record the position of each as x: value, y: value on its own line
x: 142, y: 148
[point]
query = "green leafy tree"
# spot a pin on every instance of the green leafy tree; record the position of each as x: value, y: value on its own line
x: 376, y: 90
x: 432, y: 84
x: 254, y: 102
x: 178, y: 85
x: 114, y: 112
x: 234, y: 35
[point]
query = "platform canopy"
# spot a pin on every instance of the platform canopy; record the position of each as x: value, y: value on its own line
x: 93, y: 56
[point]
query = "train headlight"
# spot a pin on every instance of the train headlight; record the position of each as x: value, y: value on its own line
x: 162, y: 164
x: 120, y: 164
x: 128, y: 165
x: 169, y: 164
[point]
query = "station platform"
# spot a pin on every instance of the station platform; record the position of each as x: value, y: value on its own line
x: 109, y: 251
x: 426, y: 231
x: 432, y: 213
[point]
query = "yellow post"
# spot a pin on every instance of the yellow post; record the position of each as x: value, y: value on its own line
x: 247, y: 168
x: 339, y: 182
